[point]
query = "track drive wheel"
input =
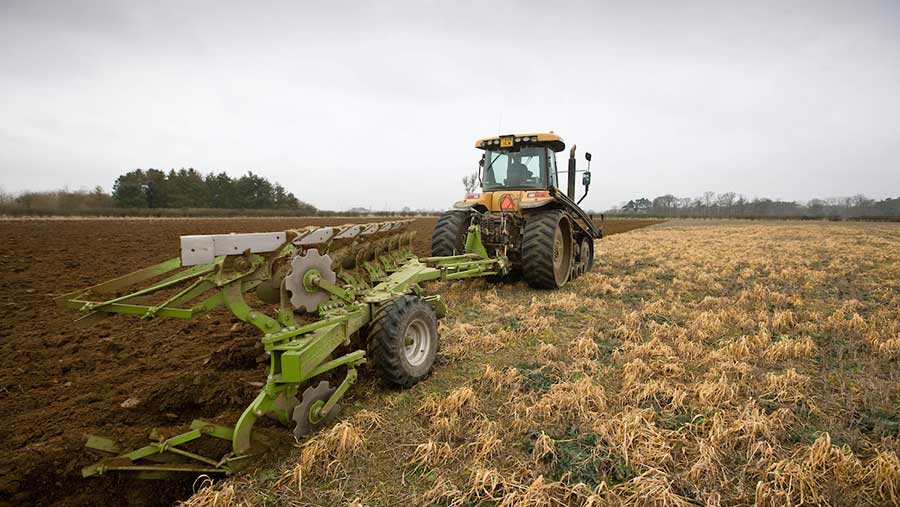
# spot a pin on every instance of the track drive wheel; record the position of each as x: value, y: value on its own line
x: 403, y: 341
x: 587, y: 247
x: 449, y: 236
x: 547, y: 249
x: 584, y: 259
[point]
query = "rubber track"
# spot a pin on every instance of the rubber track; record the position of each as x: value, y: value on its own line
x: 384, y: 347
x: 537, y: 248
x: 449, y: 236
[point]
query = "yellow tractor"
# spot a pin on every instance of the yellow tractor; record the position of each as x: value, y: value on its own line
x: 521, y: 212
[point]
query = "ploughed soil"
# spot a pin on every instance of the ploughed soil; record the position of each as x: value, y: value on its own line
x: 123, y: 377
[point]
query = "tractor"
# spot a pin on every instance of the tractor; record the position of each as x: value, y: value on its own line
x: 327, y: 299
x: 522, y: 214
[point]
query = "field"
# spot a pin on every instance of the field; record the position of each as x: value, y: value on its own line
x: 700, y: 363
x: 59, y: 382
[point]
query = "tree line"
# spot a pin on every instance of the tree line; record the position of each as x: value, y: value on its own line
x: 187, y: 188
x: 55, y: 201
x: 163, y: 193
x: 732, y: 205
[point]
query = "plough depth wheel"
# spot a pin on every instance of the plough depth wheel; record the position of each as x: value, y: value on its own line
x: 404, y: 340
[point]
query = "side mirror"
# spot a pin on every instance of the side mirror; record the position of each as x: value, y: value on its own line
x: 586, y: 179
x: 587, y: 155
x: 481, y: 162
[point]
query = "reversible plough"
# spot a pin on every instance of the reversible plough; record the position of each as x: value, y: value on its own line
x: 333, y: 295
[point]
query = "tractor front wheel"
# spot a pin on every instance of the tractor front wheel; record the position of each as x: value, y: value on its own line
x: 403, y: 341
x: 547, y: 249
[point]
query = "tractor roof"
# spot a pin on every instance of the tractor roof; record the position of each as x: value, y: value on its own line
x: 552, y: 140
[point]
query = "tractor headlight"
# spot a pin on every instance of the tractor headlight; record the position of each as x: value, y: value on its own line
x: 518, y: 139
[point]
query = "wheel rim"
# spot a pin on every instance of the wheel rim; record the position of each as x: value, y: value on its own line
x: 417, y: 342
x: 561, y: 254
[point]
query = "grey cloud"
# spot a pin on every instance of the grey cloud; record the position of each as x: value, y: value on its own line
x: 377, y: 103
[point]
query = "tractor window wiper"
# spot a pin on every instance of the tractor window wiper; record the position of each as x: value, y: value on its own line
x: 492, y: 163
x: 486, y: 169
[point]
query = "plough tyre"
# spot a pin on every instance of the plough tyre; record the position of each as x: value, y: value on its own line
x: 403, y: 340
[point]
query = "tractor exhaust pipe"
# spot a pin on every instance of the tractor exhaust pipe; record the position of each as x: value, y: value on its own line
x: 571, y: 190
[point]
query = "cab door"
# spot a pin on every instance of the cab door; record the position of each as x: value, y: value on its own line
x: 552, y: 176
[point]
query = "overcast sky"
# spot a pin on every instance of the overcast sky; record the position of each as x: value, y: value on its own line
x: 379, y: 103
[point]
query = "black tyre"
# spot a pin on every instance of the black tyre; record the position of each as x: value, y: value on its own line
x: 403, y: 341
x: 547, y: 249
x: 449, y: 236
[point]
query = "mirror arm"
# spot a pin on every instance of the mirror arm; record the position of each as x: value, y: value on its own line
x: 588, y: 171
x: 480, y: 167
x: 585, y: 195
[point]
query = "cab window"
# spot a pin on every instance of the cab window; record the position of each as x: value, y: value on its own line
x: 551, y: 168
x: 522, y: 168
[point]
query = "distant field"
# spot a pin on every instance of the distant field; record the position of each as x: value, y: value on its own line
x: 620, y: 225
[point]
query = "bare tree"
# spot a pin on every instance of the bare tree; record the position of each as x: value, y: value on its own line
x: 665, y: 202
x: 6, y: 199
x: 470, y: 182
x: 709, y: 198
x: 726, y: 200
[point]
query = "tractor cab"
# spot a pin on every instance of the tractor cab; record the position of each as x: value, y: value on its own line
x: 516, y: 172
x: 520, y: 162
x: 525, y: 167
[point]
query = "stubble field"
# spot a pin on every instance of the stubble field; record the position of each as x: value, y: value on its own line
x: 700, y: 363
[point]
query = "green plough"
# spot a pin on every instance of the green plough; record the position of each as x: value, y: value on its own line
x: 334, y: 295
